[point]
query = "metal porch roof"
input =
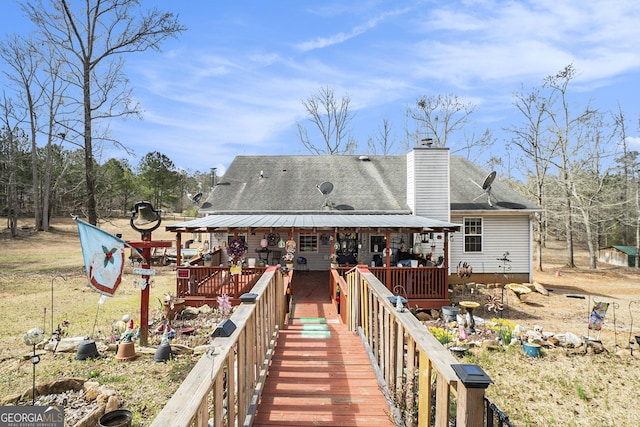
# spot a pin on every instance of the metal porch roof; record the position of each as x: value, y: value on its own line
x: 348, y: 221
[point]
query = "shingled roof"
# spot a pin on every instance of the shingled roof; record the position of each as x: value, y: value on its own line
x: 361, y: 185
x: 466, y: 180
x: 289, y: 184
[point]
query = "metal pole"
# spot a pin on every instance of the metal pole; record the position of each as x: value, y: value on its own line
x: 33, y: 390
x: 144, y: 297
x: 52, y: 280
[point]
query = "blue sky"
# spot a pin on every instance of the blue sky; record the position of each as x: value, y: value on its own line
x: 233, y: 83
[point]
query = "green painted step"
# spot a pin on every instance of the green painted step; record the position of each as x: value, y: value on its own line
x: 312, y: 320
x: 316, y: 334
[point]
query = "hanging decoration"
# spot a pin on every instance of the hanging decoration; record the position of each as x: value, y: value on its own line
x: 281, y: 244
x: 235, y: 248
x: 273, y: 238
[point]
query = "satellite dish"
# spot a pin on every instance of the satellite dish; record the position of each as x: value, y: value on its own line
x: 486, y: 186
x: 196, y: 198
x: 325, y: 187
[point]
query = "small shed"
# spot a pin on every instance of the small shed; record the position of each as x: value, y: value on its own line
x: 624, y: 256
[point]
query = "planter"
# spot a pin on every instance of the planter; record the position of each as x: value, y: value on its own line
x: 117, y: 418
x: 531, y: 350
x: 87, y: 350
x: 459, y: 351
x: 450, y: 313
x: 126, y: 352
x: 163, y: 353
x: 289, y: 265
x: 334, y: 265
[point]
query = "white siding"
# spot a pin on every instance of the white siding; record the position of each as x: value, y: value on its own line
x: 500, y: 234
x: 428, y: 182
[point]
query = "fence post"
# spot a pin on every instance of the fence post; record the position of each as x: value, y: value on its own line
x: 471, y: 387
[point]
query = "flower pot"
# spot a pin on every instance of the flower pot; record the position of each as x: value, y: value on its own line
x: 87, y: 350
x: 163, y: 353
x: 126, y: 352
x: 459, y: 351
x: 117, y: 418
x: 290, y: 265
x: 251, y: 262
x: 531, y: 350
x: 450, y: 313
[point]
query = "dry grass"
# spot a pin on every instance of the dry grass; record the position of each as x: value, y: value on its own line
x: 565, y: 388
x: 33, y: 264
x: 558, y: 389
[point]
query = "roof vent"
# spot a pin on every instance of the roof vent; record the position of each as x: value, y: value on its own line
x: 364, y: 158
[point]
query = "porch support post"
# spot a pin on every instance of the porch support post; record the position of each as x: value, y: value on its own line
x: 446, y: 251
x: 387, y: 261
x: 178, y: 250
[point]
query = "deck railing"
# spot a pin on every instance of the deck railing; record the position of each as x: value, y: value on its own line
x: 415, y: 367
x: 425, y: 287
x: 223, y: 383
x: 209, y: 282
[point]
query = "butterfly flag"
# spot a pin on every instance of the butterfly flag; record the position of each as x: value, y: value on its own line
x: 103, y: 255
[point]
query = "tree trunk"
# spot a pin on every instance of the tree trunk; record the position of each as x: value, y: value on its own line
x: 46, y: 190
x: 92, y: 213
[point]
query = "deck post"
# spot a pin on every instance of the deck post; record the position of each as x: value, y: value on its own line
x: 471, y: 387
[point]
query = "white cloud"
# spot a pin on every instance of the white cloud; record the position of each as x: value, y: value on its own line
x: 337, y: 38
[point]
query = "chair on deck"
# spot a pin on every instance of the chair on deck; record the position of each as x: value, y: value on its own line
x: 302, y: 263
x: 276, y: 257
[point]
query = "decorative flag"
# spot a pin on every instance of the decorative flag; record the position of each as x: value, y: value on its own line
x: 597, y: 315
x: 103, y: 257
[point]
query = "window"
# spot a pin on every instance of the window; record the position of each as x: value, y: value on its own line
x: 308, y: 243
x: 378, y: 243
x: 473, y: 234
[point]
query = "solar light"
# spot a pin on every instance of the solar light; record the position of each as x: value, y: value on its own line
x: 31, y: 338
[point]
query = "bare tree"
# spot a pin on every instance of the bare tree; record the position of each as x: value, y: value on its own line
x: 92, y: 38
x: 538, y: 152
x: 565, y: 127
x: 440, y: 117
x: 24, y: 62
x: 53, y: 89
x: 383, y: 140
x: 589, y: 177
x: 11, y: 143
x: 331, y: 118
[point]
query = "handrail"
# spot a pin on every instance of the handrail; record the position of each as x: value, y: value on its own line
x: 409, y: 359
x: 234, y: 365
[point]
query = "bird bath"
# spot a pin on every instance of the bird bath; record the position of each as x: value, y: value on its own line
x: 518, y: 290
x: 470, y: 306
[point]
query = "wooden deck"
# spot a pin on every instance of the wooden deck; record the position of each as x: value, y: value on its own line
x: 320, y: 374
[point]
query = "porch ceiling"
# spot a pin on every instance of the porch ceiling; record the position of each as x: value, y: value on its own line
x: 348, y: 221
